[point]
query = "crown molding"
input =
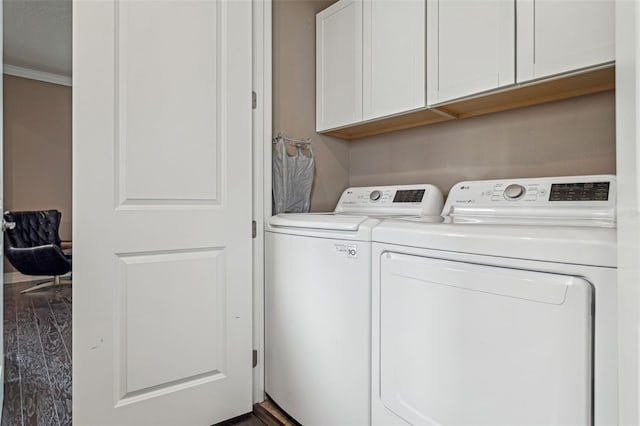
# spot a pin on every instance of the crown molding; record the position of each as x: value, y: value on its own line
x: 36, y: 75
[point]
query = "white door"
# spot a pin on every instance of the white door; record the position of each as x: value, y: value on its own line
x: 162, y: 210
x: 471, y: 47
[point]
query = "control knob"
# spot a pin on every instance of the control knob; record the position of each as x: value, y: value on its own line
x: 514, y: 191
x: 375, y: 195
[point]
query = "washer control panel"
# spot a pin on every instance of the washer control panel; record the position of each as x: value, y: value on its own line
x: 543, y: 191
x: 583, y: 197
x: 505, y: 191
x: 422, y: 199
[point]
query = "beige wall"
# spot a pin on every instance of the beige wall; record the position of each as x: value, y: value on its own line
x: 37, y: 148
x: 570, y: 137
x: 294, y: 96
x: 575, y: 136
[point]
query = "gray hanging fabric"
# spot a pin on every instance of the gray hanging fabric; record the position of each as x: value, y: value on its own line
x: 293, y: 168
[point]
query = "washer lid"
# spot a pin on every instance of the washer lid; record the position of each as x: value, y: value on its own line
x: 576, y: 245
x: 332, y: 222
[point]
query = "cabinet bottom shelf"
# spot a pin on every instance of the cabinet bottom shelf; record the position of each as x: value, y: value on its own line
x: 586, y: 82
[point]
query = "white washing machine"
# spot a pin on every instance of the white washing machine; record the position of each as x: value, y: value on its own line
x: 318, y: 303
x: 505, y: 313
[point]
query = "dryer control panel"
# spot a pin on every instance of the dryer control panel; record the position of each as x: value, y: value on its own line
x: 585, y: 199
x: 422, y: 199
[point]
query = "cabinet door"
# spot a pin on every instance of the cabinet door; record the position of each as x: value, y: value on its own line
x: 470, y: 47
x: 558, y: 36
x: 394, y: 57
x: 339, y: 65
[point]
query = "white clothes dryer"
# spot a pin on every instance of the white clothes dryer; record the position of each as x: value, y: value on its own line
x: 318, y: 303
x: 505, y: 313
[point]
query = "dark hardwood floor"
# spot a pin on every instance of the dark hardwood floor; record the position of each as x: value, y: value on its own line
x: 37, y: 334
x: 246, y: 420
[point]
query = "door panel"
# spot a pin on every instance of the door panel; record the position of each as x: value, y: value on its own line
x: 156, y: 114
x: 192, y: 286
x: 162, y: 203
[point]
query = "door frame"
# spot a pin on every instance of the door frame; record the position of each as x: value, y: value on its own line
x: 2, y: 366
x: 262, y: 134
x: 628, y: 174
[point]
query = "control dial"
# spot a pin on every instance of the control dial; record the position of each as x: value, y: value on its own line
x: 514, y: 191
x: 375, y: 195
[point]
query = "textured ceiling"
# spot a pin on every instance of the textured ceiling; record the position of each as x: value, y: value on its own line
x: 37, y: 35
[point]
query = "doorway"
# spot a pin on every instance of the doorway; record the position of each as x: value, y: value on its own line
x: 37, y: 177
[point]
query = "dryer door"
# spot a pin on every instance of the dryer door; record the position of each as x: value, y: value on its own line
x: 469, y: 344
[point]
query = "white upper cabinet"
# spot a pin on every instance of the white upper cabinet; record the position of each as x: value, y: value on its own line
x: 558, y: 36
x: 370, y: 60
x: 471, y: 47
x: 394, y: 57
x: 339, y: 65
x: 377, y: 60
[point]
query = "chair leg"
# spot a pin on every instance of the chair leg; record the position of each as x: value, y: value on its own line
x: 44, y: 284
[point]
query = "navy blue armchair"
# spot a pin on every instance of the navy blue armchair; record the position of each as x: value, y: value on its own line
x: 32, y: 246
